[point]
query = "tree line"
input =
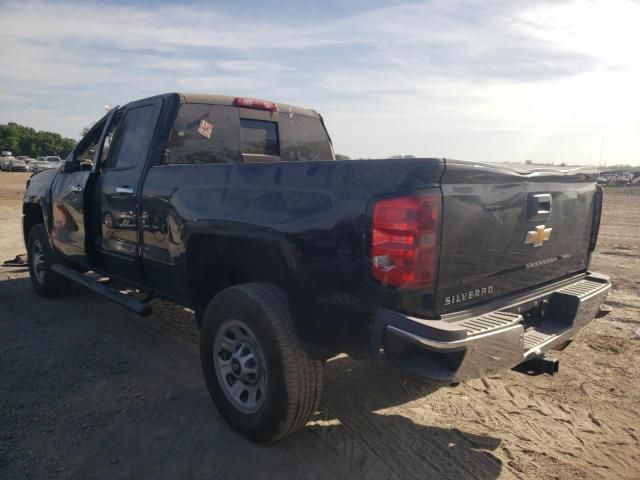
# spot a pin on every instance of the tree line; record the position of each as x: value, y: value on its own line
x: 21, y: 140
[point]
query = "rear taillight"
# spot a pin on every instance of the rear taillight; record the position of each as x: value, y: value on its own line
x: 256, y: 104
x: 597, y: 214
x: 404, y: 240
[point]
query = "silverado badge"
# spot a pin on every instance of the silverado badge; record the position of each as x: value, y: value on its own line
x: 538, y: 236
x: 468, y: 295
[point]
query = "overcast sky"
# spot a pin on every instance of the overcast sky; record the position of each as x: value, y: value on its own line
x: 478, y: 80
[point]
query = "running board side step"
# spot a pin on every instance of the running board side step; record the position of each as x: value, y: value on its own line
x: 127, y: 301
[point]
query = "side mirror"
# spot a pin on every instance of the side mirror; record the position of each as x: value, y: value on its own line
x: 70, y: 165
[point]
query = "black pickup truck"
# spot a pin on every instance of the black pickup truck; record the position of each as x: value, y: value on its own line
x: 237, y: 209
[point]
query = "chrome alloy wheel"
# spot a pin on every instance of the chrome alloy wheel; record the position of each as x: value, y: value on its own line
x: 37, y: 255
x: 240, y: 366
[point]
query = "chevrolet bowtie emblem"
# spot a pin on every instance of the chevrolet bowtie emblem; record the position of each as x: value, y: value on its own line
x: 538, y: 236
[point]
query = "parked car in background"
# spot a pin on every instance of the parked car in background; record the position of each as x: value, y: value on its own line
x: 16, y: 165
x: 43, y: 163
x: 620, y: 178
x: 4, y: 162
x: 54, y: 161
x: 28, y: 160
x: 39, y: 165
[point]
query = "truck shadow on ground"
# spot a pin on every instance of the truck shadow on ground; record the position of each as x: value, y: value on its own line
x: 383, y: 444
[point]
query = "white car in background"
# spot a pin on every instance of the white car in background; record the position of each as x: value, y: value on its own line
x: 37, y: 165
x: 43, y: 163
x: 53, y: 161
x: 28, y: 161
x: 5, y: 160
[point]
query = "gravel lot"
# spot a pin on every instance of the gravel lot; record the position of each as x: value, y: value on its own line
x: 89, y: 390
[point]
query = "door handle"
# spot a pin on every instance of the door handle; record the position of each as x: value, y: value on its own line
x: 124, y: 189
x: 77, y: 188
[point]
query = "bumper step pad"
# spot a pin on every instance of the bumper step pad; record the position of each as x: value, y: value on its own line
x: 489, y: 321
x: 539, y: 335
x: 582, y: 288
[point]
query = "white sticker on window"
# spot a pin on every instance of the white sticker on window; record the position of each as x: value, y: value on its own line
x: 205, y: 129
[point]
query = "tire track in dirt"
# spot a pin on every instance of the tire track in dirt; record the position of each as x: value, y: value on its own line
x: 365, y: 402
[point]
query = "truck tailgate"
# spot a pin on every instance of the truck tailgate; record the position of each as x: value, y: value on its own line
x: 505, y: 230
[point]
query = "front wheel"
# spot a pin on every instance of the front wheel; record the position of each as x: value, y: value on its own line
x: 260, y: 378
x: 40, y: 257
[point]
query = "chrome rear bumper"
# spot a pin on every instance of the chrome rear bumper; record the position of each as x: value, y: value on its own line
x: 477, y: 346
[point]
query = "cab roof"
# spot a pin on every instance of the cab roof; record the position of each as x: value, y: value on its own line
x: 227, y: 100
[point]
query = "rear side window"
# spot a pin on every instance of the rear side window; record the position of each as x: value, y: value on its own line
x: 304, y: 138
x: 259, y: 137
x: 204, y: 134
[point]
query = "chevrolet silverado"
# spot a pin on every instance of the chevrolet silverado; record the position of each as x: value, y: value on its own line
x: 237, y: 209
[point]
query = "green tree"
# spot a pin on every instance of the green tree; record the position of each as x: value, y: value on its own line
x: 21, y: 140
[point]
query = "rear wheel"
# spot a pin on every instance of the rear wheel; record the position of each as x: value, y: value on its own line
x: 258, y: 375
x: 40, y: 257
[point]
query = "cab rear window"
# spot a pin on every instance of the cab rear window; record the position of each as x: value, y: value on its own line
x: 204, y: 134
x: 259, y: 137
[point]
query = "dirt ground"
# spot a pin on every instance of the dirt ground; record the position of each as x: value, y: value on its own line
x: 89, y: 390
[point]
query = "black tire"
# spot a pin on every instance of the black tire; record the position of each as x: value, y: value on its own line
x: 40, y: 257
x: 293, y: 381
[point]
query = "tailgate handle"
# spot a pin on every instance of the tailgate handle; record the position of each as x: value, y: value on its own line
x: 539, y: 204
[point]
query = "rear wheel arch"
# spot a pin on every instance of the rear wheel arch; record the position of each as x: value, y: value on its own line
x: 216, y: 262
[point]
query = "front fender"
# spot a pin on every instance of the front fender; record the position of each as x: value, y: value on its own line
x: 38, y: 192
